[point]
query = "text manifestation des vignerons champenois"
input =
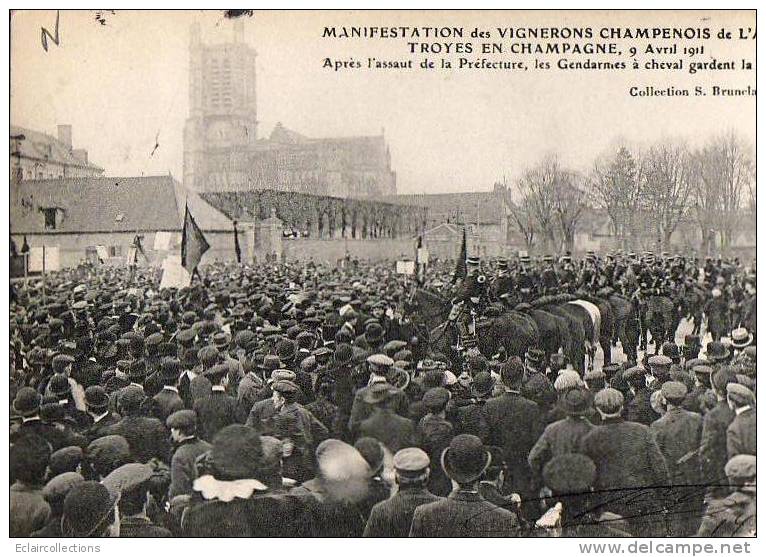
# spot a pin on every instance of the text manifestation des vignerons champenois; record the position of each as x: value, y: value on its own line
x: 445, y: 40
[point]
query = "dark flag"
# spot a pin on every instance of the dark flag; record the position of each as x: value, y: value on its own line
x: 25, y: 245
x: 236, y: 244
x: 139, y: 249
x: 193, y: 243
x: 460, y: 270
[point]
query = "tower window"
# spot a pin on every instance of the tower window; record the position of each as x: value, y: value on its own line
x: 49, y: 213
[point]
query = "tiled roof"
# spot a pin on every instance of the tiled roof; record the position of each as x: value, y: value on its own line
x: 96, y: 204
x: 41, y: 146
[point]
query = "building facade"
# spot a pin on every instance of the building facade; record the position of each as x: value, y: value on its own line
x: 222, y: 151
x: 38, y: 156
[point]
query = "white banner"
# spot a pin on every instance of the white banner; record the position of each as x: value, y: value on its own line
x: 102, y: 252
x: 51, y: 259
x: 173, y: 274
x: 423, y: 256
x: 162, y: 241
x: 405, y: 267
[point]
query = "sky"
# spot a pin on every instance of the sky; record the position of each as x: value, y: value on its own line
x: 123, y: 82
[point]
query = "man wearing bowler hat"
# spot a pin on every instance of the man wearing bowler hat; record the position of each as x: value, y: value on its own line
x: 465, y: 513
x: 97, y: 406
x: 218, y: 409
x: 168, y: 400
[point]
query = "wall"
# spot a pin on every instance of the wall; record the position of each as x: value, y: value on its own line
x: 332, y: 250
x: 72, y: 247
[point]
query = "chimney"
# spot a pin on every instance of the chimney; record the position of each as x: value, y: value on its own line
x: 81, y: 155
x: 65, y: 134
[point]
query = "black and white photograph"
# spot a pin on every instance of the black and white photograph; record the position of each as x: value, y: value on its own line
x: 370, y: 273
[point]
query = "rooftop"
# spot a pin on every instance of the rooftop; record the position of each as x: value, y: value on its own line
x: 96, y: 204
x: 43, y: 147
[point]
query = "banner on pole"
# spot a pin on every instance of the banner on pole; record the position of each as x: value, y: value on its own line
x: 102, y: 252
x: 423, y: 256
x: 132, y: 258
x: 51, y: 259
x: 162, y: 241
x: 405, y: 267
x: 173, y: 273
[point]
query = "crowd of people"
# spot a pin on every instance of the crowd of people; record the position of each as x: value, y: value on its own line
x: 302, y: 400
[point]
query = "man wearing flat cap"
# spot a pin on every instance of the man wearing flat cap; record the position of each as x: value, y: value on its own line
x: 677, y: 434
x: 741, y: 433
x: 515, y: 423
x: 735, y: 514
x: 187, y: 447
x: 465, y: 513
x: 131, y: 483
x: 713, y: 440
x: 393, y: 518
x: 564, y: 436
x: 55, y: 492
x: 570, y: 477
x: 379, y: 366
x: 298, y: 428
x: 393, y: 431
x: 628, y: 462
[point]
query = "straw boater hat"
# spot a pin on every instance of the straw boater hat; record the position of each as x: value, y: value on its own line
x: 741, y: 338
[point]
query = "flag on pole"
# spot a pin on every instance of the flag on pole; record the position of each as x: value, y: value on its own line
x: 193, y: 243
x: 460, y: 270
x: 137, y: 248
x: 237, y: 249
x: 421, y: 265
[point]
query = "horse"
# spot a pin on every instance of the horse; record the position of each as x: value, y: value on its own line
x: 659, y: 320
x: 554, y: 305
x: 553, y: 329
x: 626, y: 328
x: 513, y: 330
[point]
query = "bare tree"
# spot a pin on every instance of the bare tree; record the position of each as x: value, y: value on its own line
x: 568, y: 205
x: 616, y: 189
x: 729, y: 166
x: 522, y: 216
x: 536, y: 189
x: 666, y: 174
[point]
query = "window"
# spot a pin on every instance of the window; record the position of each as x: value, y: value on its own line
x: 50, y: 217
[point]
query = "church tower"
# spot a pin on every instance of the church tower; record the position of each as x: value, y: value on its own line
x: 222, y: 125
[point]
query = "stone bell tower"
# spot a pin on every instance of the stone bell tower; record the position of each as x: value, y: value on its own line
x: 222, y: 123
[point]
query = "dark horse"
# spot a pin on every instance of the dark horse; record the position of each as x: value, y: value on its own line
x: 626, y: 328
x: 660, y: 319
